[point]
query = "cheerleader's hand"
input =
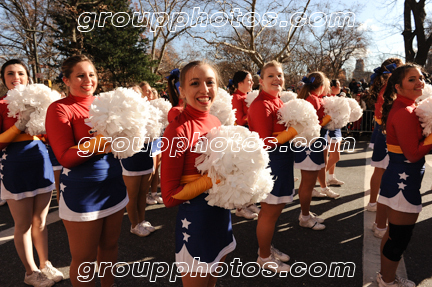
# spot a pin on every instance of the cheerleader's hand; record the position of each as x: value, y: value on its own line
x: 428, y: 140
x: 289, y: 134
x: 24, y: 118
x: 326, y: 119
x: 194, y: 188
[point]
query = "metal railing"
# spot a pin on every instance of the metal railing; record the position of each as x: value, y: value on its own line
x: 364, y: 125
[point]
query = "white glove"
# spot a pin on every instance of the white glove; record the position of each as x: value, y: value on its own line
x: 24, y: 118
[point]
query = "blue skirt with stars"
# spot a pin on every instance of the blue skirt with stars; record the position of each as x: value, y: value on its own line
x: 55, y: 164
x: 380, y: 157
x: 92, y: 190
x: 139, y: 164
x: 203, y: 235
x: 26, y: 170
x: 374, y: 135
x: 282, y: 169
x: 400, y: 184
x: 311, y: 157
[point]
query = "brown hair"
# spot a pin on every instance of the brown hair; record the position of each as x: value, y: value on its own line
x: 238, y: 77
x: 381, y: 79
x: 69, y: 64
x: 318, y: 81
x: 390, y: 93
x: 13, y: 62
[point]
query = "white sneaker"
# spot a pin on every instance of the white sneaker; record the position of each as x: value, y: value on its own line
x: 246, y: 213
x: 150, y: 200
x: 399, y: 282
x: 2, y: 202
x: 38, y: 279
x: 330, y: 193
x: 313, y: 215
x: 316, y: 193
x: 254, y: 208
x: 311, y: 223
x: 140, y: 230
x: 335, y: 182
x: 157, y: 198
x: 51, y: 272
x: 278, y: 254
x: 273, y: 264
x: 379, y: 233
x: 147, y: 225
x: 371, y: 208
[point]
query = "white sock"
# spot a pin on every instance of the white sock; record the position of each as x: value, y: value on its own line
x: 331, y: 176
x: 323, y: 189
x: 266, y: 259
x: 372, y: 204
x: 304, y: 218
x: 381, y: 229
x: 153, y: 194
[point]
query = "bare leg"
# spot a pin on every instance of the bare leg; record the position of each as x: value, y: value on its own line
x: 39, y: 230
x: 84, y: 238
x: 108, y: 247
x: 22, y: 213
x: 266, y: 225
x: 133, y: 188
x: 334, y: 157
x: 381, y: 216
x: 198, y: 281
x: 375, y: 183
x: 144, y: 189
x: 308, y: 179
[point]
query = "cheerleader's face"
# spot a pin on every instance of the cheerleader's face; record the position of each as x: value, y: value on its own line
x: 335, y: 90
x: 147, y: 92
x: 15, y: 75
x: 201, y: 87
x: 273, y: 81
x: 82, y: 82
x: 412, y: 84
x: 246, y: 85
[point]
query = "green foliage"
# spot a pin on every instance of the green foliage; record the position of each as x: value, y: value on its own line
x: 119, y: 53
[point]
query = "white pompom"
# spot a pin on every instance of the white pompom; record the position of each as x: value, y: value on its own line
x: 339, y: 110
x: 154, y: 123
x: 38, y: 96
x: 240, y: 163
x: 300, y: 112
x: 222, y: 108
x: 356, y: 110
x: 164, y: 106
x: 123, y: 115
x: 287, y: 96
x: 424, y: 112
x: 251, y: 96
x: 427, y: 92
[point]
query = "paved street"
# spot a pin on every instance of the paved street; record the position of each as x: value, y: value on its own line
x: 347, y: 239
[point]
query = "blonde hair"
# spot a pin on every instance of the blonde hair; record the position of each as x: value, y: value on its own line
x: 270, y: 64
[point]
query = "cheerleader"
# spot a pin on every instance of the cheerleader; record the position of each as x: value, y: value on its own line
x: 203, y: 232
x: 334, y: 138
x: 154, y: 155
x: 93, y: 195
x: 401, y: 181
x: 380, y: 158
x: 27, y: 182
x: 174, y: 95
x: 310, y: 160
x: 263, y: 119
x: 242, y: 84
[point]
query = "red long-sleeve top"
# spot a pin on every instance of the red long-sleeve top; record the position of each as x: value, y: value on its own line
x: 65, y: 128
x: 404, y: 129
x: 5, y: 121
x: 175, y: 111
x: 184, y: 131
x: 317, y: 103
x: 379, y: 103
x: 239, y: 103
x: 263, y: 119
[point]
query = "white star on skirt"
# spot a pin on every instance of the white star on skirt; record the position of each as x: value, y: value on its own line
x: 185, y: 223
x: 186, y: 236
